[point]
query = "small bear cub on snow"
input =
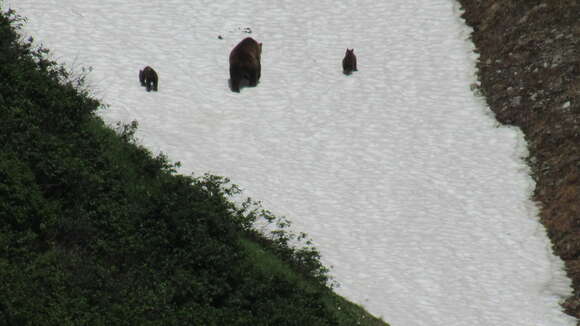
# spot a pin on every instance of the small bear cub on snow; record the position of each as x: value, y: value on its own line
x: 349, y: 62
x: 148, y: 78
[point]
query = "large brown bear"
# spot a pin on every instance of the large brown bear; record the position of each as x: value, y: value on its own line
x: 148, y: 78
x: 245, y: 63
x: 349, y: 62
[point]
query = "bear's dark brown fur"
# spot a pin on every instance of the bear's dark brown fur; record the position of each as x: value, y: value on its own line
x: 245, y: 63
x: 349, y: 62
x: 148, y: 78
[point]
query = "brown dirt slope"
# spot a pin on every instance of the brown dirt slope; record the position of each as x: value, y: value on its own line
x: 529, y: 69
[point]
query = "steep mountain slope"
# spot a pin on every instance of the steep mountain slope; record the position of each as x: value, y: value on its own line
x: 529, y: 69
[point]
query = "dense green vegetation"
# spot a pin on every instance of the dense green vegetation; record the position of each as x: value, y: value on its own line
x: 95, y: 230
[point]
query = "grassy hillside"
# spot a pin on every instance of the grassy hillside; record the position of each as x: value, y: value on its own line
x: 95, y: 230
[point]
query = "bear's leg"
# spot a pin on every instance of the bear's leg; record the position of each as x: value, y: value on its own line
x: 141, y: 78
x: 253, y: 78
x: 235, y: 79
x: 235, y: 85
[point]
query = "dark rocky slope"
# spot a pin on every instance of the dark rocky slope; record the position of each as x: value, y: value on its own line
x: 529, y: 68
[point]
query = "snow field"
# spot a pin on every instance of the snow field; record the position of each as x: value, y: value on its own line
x: 410, y: 190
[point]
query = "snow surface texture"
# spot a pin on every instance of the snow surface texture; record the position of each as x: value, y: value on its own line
x: 399, y: 173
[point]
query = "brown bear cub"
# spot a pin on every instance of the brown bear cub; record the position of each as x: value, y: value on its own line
x: 245, y: 63
x: 349, y: 62
x: 148, y: 78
